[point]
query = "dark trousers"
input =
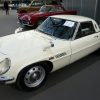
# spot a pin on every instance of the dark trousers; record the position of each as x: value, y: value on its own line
x: 7, y: 11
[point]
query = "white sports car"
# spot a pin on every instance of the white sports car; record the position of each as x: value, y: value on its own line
x: 28, y: 57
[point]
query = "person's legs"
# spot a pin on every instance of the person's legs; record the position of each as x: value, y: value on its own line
x: 6, y: 11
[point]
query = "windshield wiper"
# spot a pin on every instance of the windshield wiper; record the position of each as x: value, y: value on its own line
x: 44, y: 32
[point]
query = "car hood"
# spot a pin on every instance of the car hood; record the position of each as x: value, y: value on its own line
x: 25, y: 16
x: 36, y: 13
x: 24, y: 44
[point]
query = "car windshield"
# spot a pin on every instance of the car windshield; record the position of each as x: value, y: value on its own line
x: 51, y: 9
x: 36, y: 3
x: 59, y: 28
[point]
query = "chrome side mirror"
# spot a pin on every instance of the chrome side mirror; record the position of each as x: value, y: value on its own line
x: 52, y: 44
x: 48, y: 46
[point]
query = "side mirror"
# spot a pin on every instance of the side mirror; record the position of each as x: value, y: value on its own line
x: 48, y: 46
x: 52, y: 44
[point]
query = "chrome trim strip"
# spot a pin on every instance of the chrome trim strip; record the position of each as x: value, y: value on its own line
x: 4, y: 79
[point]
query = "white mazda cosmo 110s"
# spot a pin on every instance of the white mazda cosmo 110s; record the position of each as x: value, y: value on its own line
x: 28, y: 57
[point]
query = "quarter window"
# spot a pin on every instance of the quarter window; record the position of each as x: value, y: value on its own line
x: 85, y: 29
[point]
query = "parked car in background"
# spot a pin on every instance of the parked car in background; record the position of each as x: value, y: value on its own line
x: 13, y: 6
x: 1, y: 7
x: 34, y: 6
x: 28, y: 57
x: 36, y: 18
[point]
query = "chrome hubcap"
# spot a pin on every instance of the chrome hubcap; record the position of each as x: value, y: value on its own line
x: 34, y: 76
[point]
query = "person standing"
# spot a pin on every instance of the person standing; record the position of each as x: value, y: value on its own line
x: 6, y: 7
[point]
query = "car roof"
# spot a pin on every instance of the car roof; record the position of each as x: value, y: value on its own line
x: 53, y: 5
x: 75, y: 18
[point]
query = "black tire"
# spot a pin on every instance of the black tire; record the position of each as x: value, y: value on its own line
x: 32, y: 77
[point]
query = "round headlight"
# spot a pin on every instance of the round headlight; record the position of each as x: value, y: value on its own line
x: 29, y: 18
x: 4, y: 65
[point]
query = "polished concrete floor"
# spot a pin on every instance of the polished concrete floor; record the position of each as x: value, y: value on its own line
x: 78, y: 81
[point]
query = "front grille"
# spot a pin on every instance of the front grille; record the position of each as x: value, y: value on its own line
x: 23, y: 22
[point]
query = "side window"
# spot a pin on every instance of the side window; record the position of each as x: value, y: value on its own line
x: 51, y: 9
x: 59, y: 9
x: 85, y: 29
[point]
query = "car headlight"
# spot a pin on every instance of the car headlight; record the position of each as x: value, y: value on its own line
x: 29, y: 18
x: 4, y: 65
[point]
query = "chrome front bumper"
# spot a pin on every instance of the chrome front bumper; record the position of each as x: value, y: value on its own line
x: 24, y: 23
x: 5, y: 79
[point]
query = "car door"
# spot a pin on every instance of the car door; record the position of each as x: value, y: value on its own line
x: 59, y: 54
x: 85, y: 41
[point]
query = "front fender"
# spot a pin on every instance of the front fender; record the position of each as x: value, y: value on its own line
x: 15, y: 70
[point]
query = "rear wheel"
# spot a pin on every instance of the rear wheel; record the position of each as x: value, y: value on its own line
x: 32, y: 78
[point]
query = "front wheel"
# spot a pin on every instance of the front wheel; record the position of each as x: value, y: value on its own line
x: 32, y: 78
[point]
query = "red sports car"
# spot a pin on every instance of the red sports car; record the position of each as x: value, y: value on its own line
x: 34, y: 19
